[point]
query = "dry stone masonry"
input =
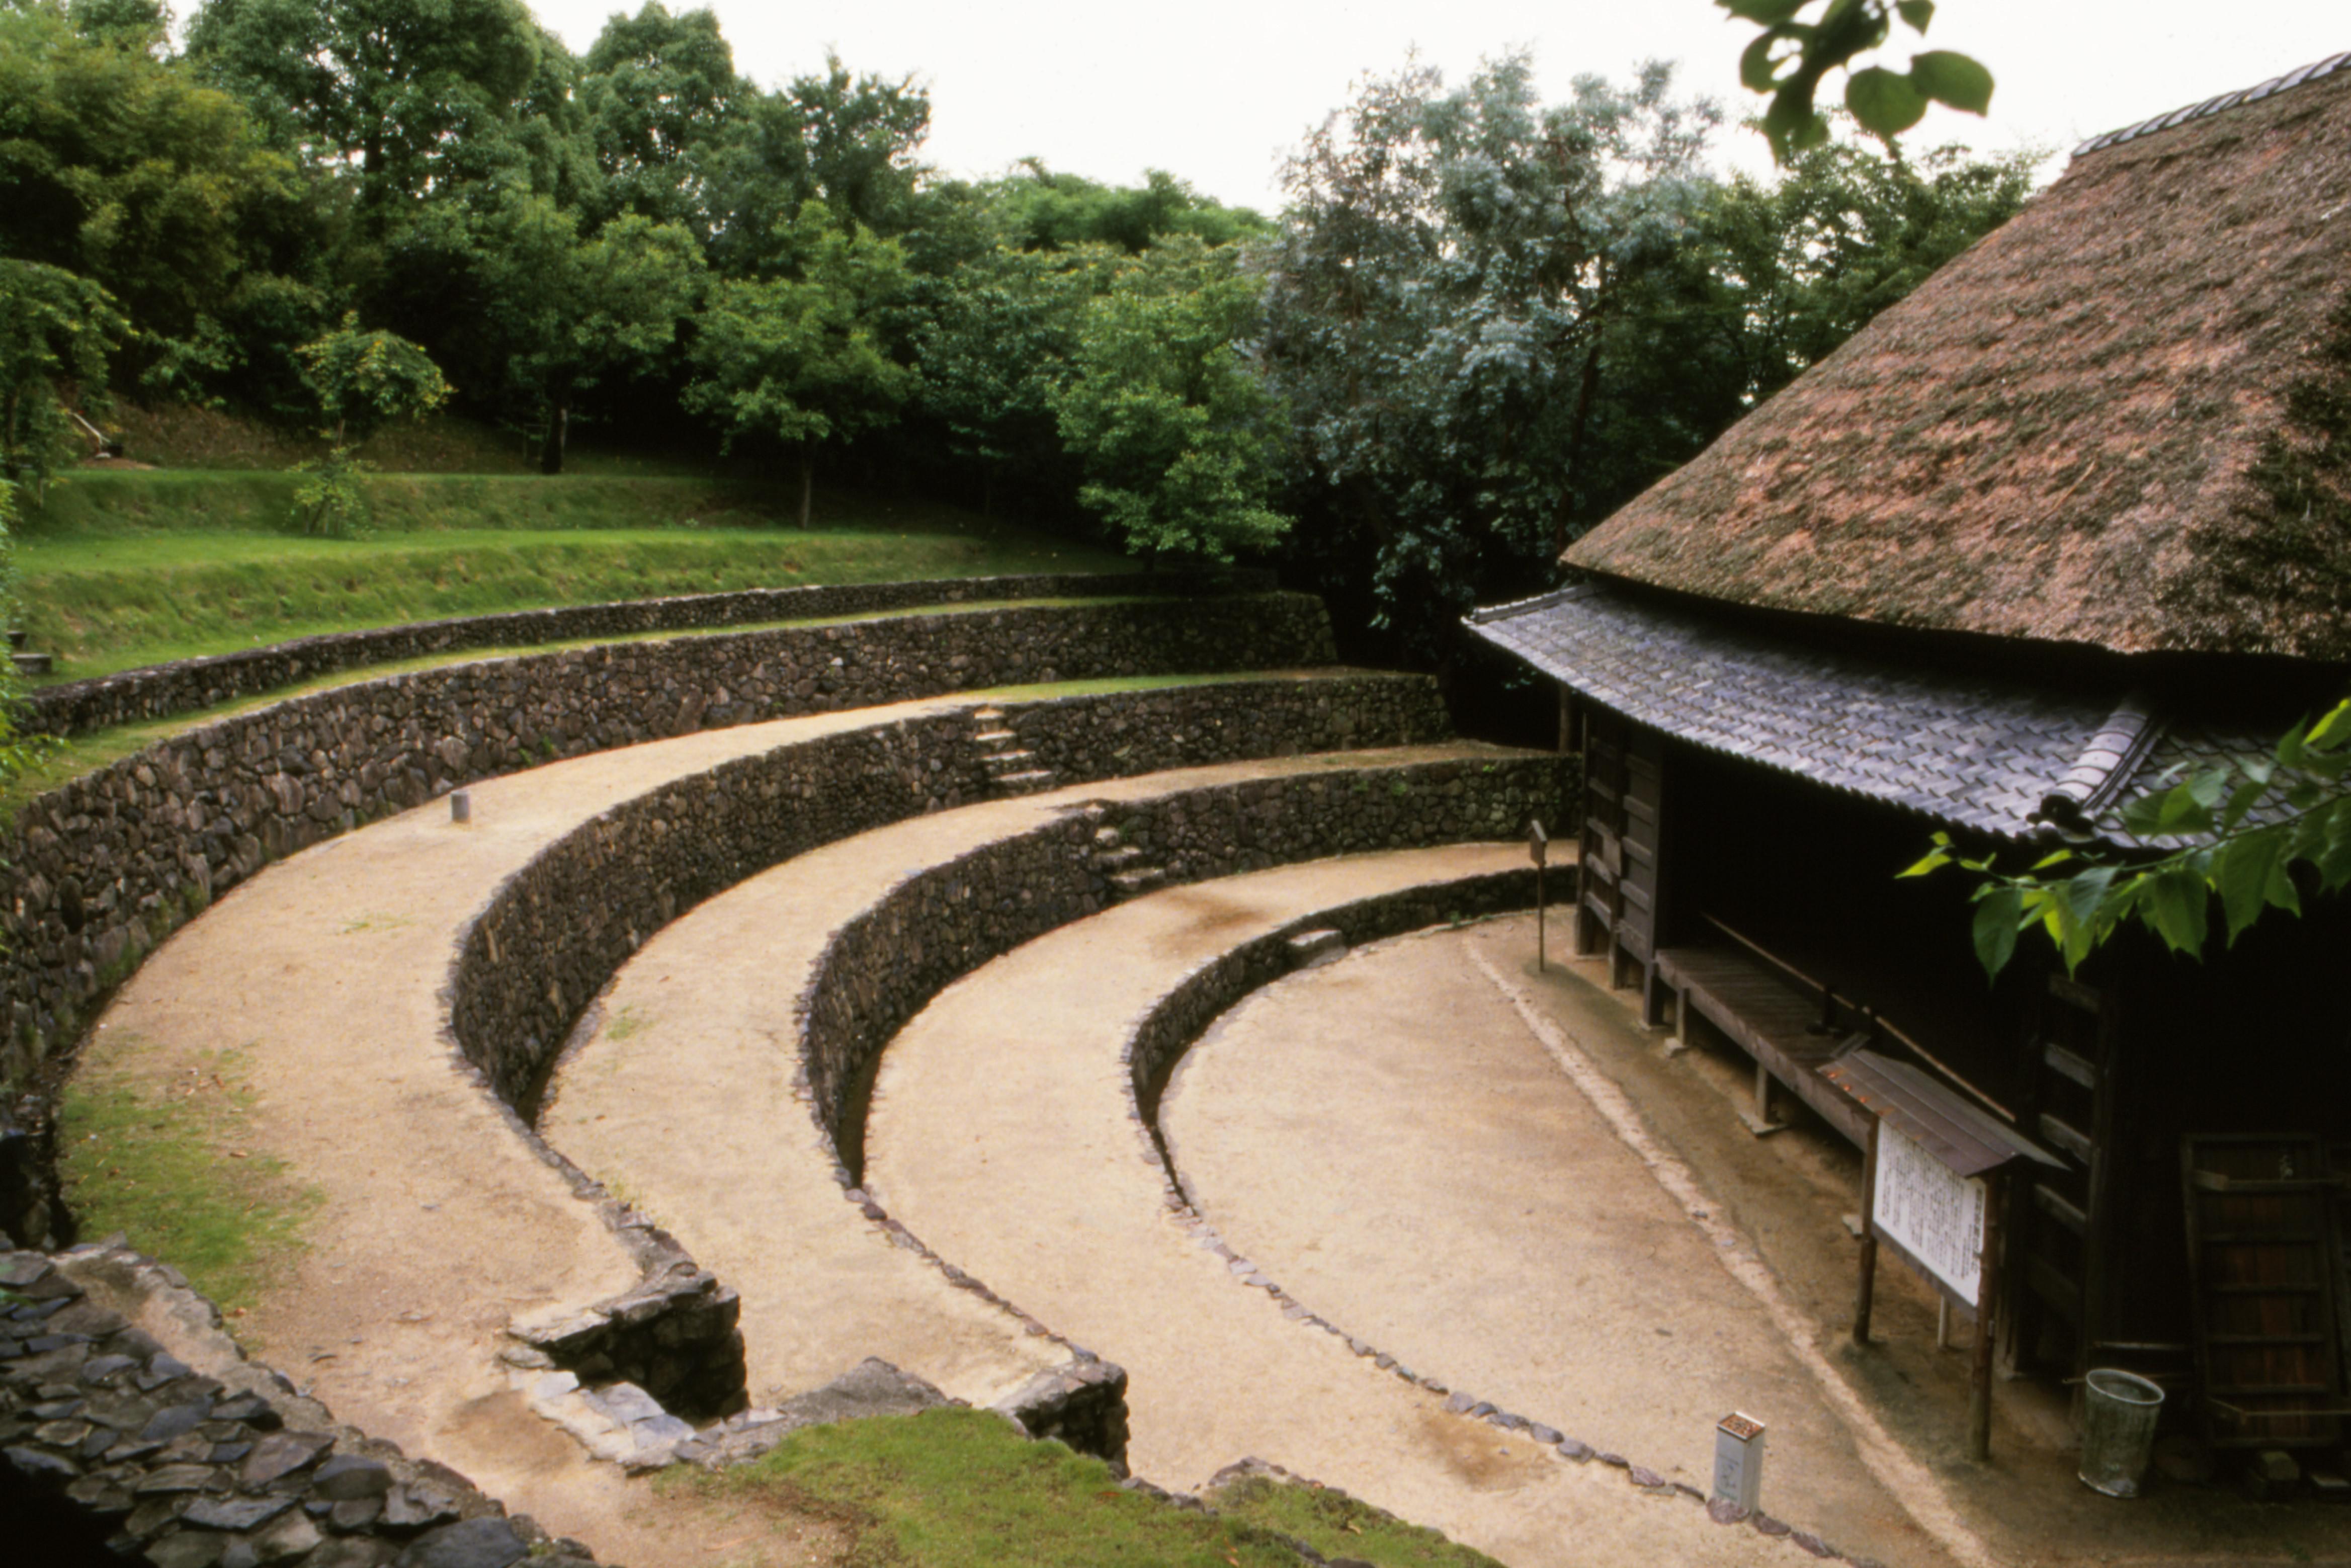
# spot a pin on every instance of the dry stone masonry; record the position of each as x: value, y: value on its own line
x: 184, y: 685
x: 187, y: 1469
x: 557, y: 932
x: 108, y: 865
x: 880, y: 968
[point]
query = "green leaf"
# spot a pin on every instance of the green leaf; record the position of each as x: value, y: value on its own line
x: 1917, y: 13
x: 1769, y: 12
x: 1758, y: 68
x: 1998, y: 914
x: 2240, y: 869
x: 2177, y: 904
x: 1885, y: 103
x: 2056, y: 858
x: 2142, y: 816
x: 2328, y: 828
x: 1933, y: 862
x: 2245, y: 797
x: 2332, y: 730
x: 1952, y: 78
x: 2078, y: 904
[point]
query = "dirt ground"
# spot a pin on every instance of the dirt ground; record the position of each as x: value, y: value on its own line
x: 1790, y: 1197
x: 434, y: 1225
x: 1000, y: 1135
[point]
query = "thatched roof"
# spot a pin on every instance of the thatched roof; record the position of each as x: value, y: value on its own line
x: 2123, y: 420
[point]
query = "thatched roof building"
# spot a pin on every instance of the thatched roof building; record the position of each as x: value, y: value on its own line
x: 2123, y: 420
x: 2106, y: 455
x: 2070, y: 521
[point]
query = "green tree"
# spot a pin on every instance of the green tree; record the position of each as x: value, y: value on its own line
x: 800, y: 359
x: 574, y: 312
x: 846, y: 141
x: 1791, y: 57
x: 997, y: 344
x: 1041, y: 210
x: 1808, y: 258
x: 661, y: 97
x: 394, y: 90
x: 55, y: 332
x: 1178, y: 436
x: 1491, y: 322
x: 362, y: 381
x: 115, y: 165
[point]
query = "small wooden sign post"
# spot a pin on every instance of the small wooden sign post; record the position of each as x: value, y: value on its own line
x: 1932, y: 1178
x: 1537, y: 851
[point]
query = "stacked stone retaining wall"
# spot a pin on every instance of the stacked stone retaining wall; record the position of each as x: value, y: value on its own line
x: 184, y: 685
x: 114, y: 1447
x: 883, y: 967
x: 105, y: 866
x: 557, y: 930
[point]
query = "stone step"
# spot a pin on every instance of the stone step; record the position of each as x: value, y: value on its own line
x: 1312, y: 949
x: 1000, y: 763
x: 995, y: 738
x: 986, y: 716
x: 31, y: 664
x: 1120, y: 859
x: 1027, y: 783
x: 1108, y: 838
x: 1133, y: 883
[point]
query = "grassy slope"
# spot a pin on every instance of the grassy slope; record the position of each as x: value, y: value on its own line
x: 167, y: 1167
x: 126, y: 567
x: 959, y: 1489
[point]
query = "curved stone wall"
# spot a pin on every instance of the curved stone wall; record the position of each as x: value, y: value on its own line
x: 883, y: 967
x: 558, y: 929
x: 108, y: 864
x: 158, y: 691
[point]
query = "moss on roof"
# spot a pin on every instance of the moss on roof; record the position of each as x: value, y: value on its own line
x: 2123, y: 420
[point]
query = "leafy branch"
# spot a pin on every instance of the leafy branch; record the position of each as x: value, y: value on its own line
x: 1790, y: 57
x: 2247, y: 863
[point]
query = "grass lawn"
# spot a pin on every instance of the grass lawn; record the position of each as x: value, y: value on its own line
x: 168, y: 1168
x: 960, y: 1488
x: 127, y: 569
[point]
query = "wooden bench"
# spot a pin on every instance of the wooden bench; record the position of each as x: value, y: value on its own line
x: 1774, y: 1020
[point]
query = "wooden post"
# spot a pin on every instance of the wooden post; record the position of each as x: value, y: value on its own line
x: 1865, y: 1298
x: 1987, y: 1312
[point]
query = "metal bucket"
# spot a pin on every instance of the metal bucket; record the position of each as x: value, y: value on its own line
x: 2118, y: 1415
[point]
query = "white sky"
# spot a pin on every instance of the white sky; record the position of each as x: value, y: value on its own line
x: 1216, y: 90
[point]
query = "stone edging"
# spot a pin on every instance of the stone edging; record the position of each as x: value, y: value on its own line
x: 182, y: 685
x: 947, y: 920
x: 186, y: 1468
x: 108, y: 864
x: 1177, y: 1022
x: 554, y: 934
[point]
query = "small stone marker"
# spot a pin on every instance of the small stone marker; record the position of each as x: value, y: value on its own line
x: 1739, y: 1461
x: 461, y: 806
x: 1539, y: 851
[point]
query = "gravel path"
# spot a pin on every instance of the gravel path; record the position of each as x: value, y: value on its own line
x: 436, y: 1224
x: 681, y: 1099
x: 1469, y: 1209
x: 999, y: 1134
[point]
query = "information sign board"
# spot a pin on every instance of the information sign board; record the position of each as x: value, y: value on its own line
x: 1931, y: 1212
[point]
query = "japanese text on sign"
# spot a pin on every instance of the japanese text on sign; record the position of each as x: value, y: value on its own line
x: 1930, y: 1211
